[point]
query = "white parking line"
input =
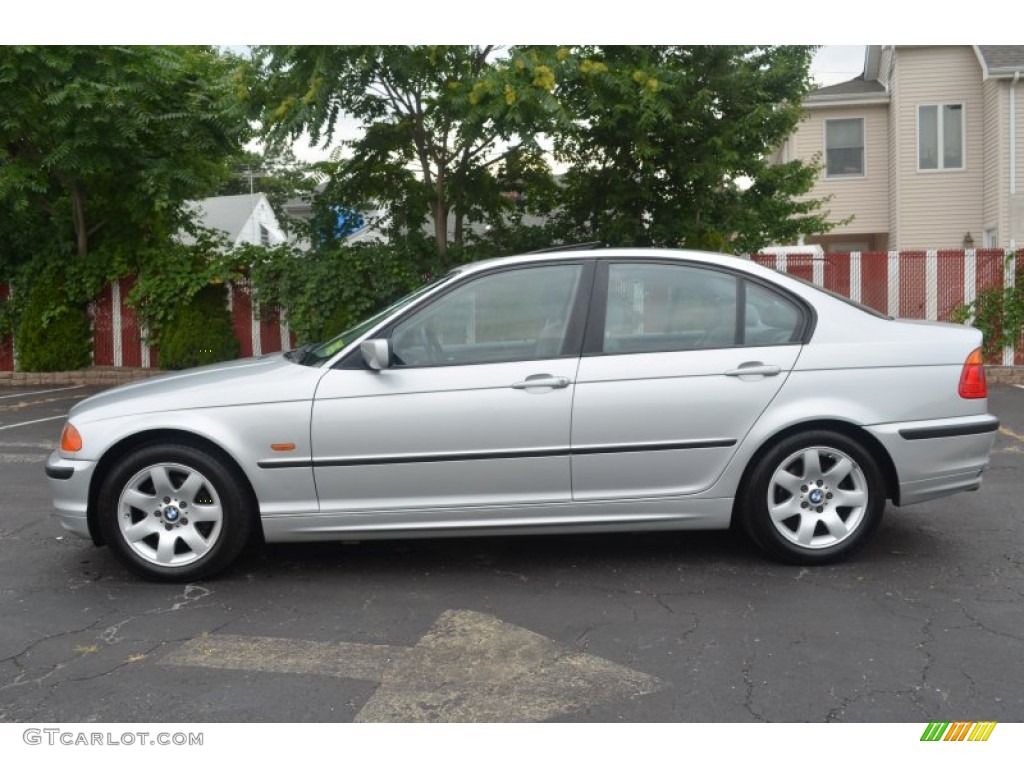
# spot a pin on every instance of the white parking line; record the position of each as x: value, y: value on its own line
x: 21, y: 458
x: 41, y: 392
x: 34, y: 421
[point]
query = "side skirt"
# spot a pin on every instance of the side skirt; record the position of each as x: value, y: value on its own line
x: 574, y: 517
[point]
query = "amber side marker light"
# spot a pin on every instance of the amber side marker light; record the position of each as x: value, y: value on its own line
x: 972, y: 378
x: 70, y: 440
x: 282, y: 446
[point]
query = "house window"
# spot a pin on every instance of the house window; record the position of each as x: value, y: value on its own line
x: 940, y: 137
x: 264, y: 235
x: 844, y: 147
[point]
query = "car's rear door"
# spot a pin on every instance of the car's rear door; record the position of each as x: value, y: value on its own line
x: 680, y: 360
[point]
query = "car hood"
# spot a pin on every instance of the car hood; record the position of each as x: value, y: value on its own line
x: 267, y: 379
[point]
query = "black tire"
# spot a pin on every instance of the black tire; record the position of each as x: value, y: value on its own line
x: 813, y: 498
x: 174, y: 513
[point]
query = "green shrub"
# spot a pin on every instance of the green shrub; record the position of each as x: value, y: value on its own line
x: 53, y: 335
x: 997, y: 312
x: 199, y: 332
x: 328, y: 289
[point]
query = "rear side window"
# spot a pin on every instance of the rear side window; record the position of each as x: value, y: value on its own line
x: 666, y: 307
x: 673, y: 308
x: 769, y: 318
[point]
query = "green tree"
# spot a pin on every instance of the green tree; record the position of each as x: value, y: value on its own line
x: 672, y: 145
x: 437, y: 122
x: 101, y: 146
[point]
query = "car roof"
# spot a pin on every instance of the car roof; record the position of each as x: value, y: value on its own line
x: 702, y: 257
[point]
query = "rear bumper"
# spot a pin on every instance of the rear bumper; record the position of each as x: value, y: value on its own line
x: 69, y: 484
x: 938, y: 457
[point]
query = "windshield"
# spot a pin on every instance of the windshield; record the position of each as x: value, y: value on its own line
x: 314, y: 354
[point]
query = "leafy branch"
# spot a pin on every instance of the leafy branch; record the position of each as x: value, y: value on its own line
x: 998, y: 312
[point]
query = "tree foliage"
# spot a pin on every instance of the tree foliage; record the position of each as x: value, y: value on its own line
x: 100, y: 146
x: 663, y: 145
x: 54, y: 333
x: 672, y: 145
x: 998, y: 312
x: 437, y: 121
x: 173, y: 275
x: 199, y: 332
x: 324, y: 291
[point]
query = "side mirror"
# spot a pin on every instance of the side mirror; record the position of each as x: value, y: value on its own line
x: 376, y: 353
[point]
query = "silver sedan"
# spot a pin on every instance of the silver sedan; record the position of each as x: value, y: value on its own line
x: 573, y: 391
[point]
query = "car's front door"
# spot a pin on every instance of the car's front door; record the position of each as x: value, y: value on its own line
x: 474, y: 410
x: 680, y: 361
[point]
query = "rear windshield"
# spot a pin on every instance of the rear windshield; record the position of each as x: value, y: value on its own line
x: 844, y: 299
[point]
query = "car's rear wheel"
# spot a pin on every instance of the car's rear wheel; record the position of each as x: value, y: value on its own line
x: 814, y: 498
x: 174, y: 513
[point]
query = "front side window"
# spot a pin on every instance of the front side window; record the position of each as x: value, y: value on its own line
x: 314, y: 354
x: 940, y: 137
x: 844, y: 147
x: 520, y: 314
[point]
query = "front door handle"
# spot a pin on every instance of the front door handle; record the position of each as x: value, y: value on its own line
x: 542, y: 380
x: 755, y: 369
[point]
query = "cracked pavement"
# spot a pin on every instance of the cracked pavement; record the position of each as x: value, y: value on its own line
x: 925, y: 624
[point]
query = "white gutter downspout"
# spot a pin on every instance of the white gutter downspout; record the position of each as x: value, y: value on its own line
x: 1013, y: 152
x: 1009, y: 352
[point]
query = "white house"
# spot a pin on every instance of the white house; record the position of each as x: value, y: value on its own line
x: 243, y: 218
x: 924, y: 149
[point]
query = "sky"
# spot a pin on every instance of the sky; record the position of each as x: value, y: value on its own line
x: 469, y: 21
x: 836, y: 63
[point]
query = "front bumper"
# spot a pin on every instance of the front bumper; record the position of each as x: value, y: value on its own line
x: 69, y: 481
x: 938, y: 457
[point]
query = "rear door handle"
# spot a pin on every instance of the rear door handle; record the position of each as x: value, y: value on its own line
x: 755, y: 369
x: 542, y: 380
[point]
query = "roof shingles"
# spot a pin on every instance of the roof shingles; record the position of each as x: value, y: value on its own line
x: 857, y: 87
x: 1003, y: 57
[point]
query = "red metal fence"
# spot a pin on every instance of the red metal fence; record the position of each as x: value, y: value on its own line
x: 927, y: 285
x: 118, y: 338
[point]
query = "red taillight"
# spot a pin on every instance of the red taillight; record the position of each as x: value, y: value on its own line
x: 972, y: 378
x: 70, y: 441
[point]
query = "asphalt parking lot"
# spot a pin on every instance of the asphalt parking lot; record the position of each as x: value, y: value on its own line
x: 924, y: 625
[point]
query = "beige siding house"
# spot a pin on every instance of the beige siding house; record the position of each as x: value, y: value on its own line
x: 924, y: 150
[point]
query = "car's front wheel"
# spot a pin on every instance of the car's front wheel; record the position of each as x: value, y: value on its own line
x: 814, y: 498
x: 174, y: 513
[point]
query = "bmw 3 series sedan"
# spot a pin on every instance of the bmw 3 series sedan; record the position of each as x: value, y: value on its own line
x: 577, y: 391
